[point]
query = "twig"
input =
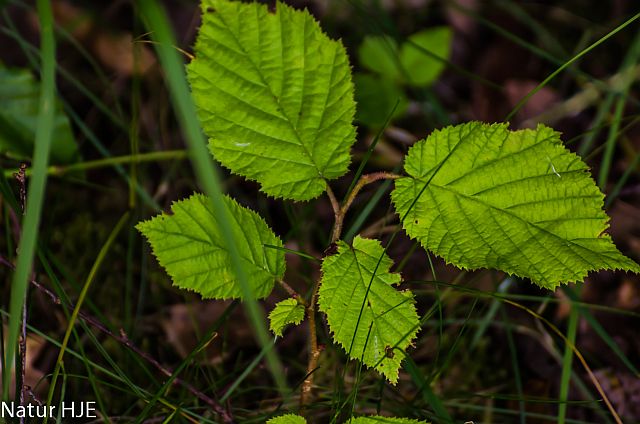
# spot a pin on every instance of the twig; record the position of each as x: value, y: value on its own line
x: 334, y: 202
x: 339, y: 212
x: 292, y: 292
x: 20, y: 176
x: 314, y: 352
x: 123, y: 339
x: 363, y: 181
x: 22, y: 343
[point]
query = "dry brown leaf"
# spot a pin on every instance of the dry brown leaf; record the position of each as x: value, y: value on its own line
x: 117, y: 52
x: 34, y: 378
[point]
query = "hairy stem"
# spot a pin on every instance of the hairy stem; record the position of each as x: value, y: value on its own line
x: 334, y: 202
x: 292, y: 292
x: 339, y: 212
x: 314, y: 351
x: 363, y: 181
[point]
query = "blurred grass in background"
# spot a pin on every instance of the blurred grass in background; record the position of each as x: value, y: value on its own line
x: 478, y: 358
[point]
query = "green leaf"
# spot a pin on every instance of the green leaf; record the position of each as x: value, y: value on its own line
x: 419, y: 66
x: 296, y: 419
x: 353, y: 282
x: 517, y: 201
x: 380, y: 54
x: 289, y: 311
x: 383, y: 420
x: 376, y: 97
x: 287, y: 419
x: 275, y: 96
x: 19, y: 97
x: 189, y: 245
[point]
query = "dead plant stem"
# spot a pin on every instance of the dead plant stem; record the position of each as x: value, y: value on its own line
x: 123, y: 339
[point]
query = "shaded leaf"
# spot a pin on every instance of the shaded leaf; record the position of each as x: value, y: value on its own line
x: 376, y: 97
x: 20, y: 97
x: 419, y: 66
x: 380, y: 54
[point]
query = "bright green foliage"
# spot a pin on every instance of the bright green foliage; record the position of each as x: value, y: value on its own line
x: 188, y: 244
x: 383, y: 420
x: 296, y: 419
x: 289, y: 311
x: 380, y: 55
x: 376, y: 97
x: 19, y: 97
x: 287, y: 419
x: 275, y: 96
x: 517, y: 201
x: 369, y: 318
x: 420, y: 67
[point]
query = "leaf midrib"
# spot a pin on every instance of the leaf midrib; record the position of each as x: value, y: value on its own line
x: 268, y: 87
x: 489, y: 205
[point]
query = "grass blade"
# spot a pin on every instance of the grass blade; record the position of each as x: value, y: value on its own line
x: 567, y: 360
x: 85, y: 289
x: 156, y: 21
x: 35, y: 196
x: 630, y: 59
x: 568, y: 63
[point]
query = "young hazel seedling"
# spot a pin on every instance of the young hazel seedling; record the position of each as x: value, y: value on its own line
x: 275, y: 97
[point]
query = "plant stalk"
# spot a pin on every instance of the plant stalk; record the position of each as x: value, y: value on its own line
x: 292, y: 292
x: 35, y: 199
x: 342, y: 212
x: 58, y: 170
x: 339, y: 214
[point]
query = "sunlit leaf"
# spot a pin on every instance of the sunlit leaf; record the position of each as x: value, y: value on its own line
x: 372, y: 321
x: 274, y: 95
x: 190, y: 247
x: 481, y: 196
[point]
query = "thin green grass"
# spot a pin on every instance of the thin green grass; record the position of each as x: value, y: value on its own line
x: 133, y: 159
x: 83, y: 293
x: 567, y: 360
x: 158, y: 25
x: 428, y: 403
x: 515, y: 365
x: 35, y: 197
x: 440, y: 412
x: 210, y: 334
x: 600, y: 330
x: 630, y: 60
x: 533, y: 48
x: 245, y: 373
x: 34, y: 57
x: 568, y: 63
